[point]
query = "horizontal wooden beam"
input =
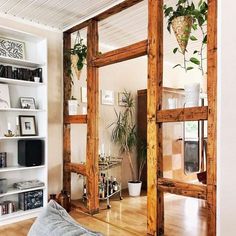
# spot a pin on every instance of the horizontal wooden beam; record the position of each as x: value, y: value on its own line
x: 121, y: 54
x: 109, y: 12
x: 182, y: 114
x: 76, y: 168
x: 75, y: 119
x: 181, y: 188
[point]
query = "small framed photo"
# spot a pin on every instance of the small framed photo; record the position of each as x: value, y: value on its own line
x: 108, y: 97
x: 27, y: 103
x: 84, y: 94
x: 121, y: 99
x: 27, y: 126
x: 4, y: 96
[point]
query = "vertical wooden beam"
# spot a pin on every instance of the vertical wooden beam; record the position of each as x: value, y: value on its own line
x: 92, y: 116
x: 155, y: 204
x: 66, y: 128
x: 212, y: 115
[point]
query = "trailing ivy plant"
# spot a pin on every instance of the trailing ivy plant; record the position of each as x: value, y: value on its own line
x: 79, y: 49
x: 199, y: 18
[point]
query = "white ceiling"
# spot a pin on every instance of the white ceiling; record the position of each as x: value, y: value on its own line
x: 122, y: 29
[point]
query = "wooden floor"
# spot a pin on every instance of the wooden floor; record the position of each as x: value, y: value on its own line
x: 183, y: 217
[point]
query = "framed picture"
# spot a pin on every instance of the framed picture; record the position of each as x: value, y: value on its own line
x: 27, y: 103
x: 108, y: 97
x: 4, y: 96
x: 27, y: 125
x: 12, y: 48
x: 121, y: 99
x: 84, y: 94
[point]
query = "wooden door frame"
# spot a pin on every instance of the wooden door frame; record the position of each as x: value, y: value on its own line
x: 153, y: 47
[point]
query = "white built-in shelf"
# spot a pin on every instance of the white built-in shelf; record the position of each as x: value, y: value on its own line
x: 21, y: 110
x: 20, y: 82
x: 19, y: 168
x: 12, y: 191
x: 19, y: 213
x: 20, y: 62
x: 21, y: 137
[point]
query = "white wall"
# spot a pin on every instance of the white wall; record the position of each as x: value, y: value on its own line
x: 226, y: 120
x: 54, y: 40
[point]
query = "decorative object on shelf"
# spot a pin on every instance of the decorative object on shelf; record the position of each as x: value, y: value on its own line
x: 9, y: 131
x: 29, y: 184
x: 75, y: 57
x: 4, y: 96
x: 3, y: 159
x: 27, y: 103
x: 27, y: 126
x: 185, y: 18
x: 3, y: 185
x: 30, y: 200
x: 192, y: 94
x: 124, y: 132
x: 12, y: 48
x: 84, y: 94
x: 17, y: 131
x: 73, y: 106
x: 108, y: 97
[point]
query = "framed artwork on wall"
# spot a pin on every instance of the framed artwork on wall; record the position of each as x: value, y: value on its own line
x: 12, y: 48
x: 27, y: 103
x: 4, y: 96
x: 121, y: 99
x: 108, y: 97
x: 84, y: 94
x: 27, y: 126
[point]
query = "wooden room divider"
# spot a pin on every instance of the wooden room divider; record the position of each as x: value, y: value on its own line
x: 153, y: 48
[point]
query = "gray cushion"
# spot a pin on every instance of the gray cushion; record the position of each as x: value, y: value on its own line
x: 55, y: 221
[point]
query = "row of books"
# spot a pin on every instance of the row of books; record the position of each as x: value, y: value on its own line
x: 26, y: 74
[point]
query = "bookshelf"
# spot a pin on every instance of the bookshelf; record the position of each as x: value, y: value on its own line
x: 35, y: 58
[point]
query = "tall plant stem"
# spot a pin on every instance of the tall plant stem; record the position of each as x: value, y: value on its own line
x: 201, y: 51
x: 131, y: 164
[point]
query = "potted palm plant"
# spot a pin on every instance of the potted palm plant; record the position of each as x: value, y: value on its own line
x: 124, y: 134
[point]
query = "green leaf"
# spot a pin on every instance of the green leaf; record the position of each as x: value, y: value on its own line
x: 175, y: 50
x: 176, y: 66
x: 194, y: 60
x: 168, y: 11
x: 193, y: 38
x: 205, y: 40
x: 200, y: 3
x: 194, y: 26
x: 196, y: 51
x: 190, y: 68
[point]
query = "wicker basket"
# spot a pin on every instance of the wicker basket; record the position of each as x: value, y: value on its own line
x: 181, y: 26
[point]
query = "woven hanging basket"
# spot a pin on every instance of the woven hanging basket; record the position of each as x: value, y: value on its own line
x: 76, y: 73
x: 181, y: 26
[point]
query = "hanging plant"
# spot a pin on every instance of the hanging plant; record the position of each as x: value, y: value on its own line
x: 75, y: 58
x: 183, y: 19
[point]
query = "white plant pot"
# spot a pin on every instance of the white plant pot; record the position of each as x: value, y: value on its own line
x: 134, y: 188
x: 192, y: 94
x: 72, y: 107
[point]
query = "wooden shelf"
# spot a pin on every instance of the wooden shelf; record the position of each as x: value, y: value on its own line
x: 183, y: 114
x: 20, y: 82
x: 75, y: 119
x: 181, y: 188
x: 20, y: 62
x: 21, y: 137
x: 19, y: 168
x: 21, y: 110
x: 12, y: 191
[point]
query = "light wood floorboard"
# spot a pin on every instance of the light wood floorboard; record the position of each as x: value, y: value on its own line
x: 183, y: 217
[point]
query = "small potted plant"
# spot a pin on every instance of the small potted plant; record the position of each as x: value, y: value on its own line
x: 184, y: 18
x: 124, y: 134
x: 72, y: 106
